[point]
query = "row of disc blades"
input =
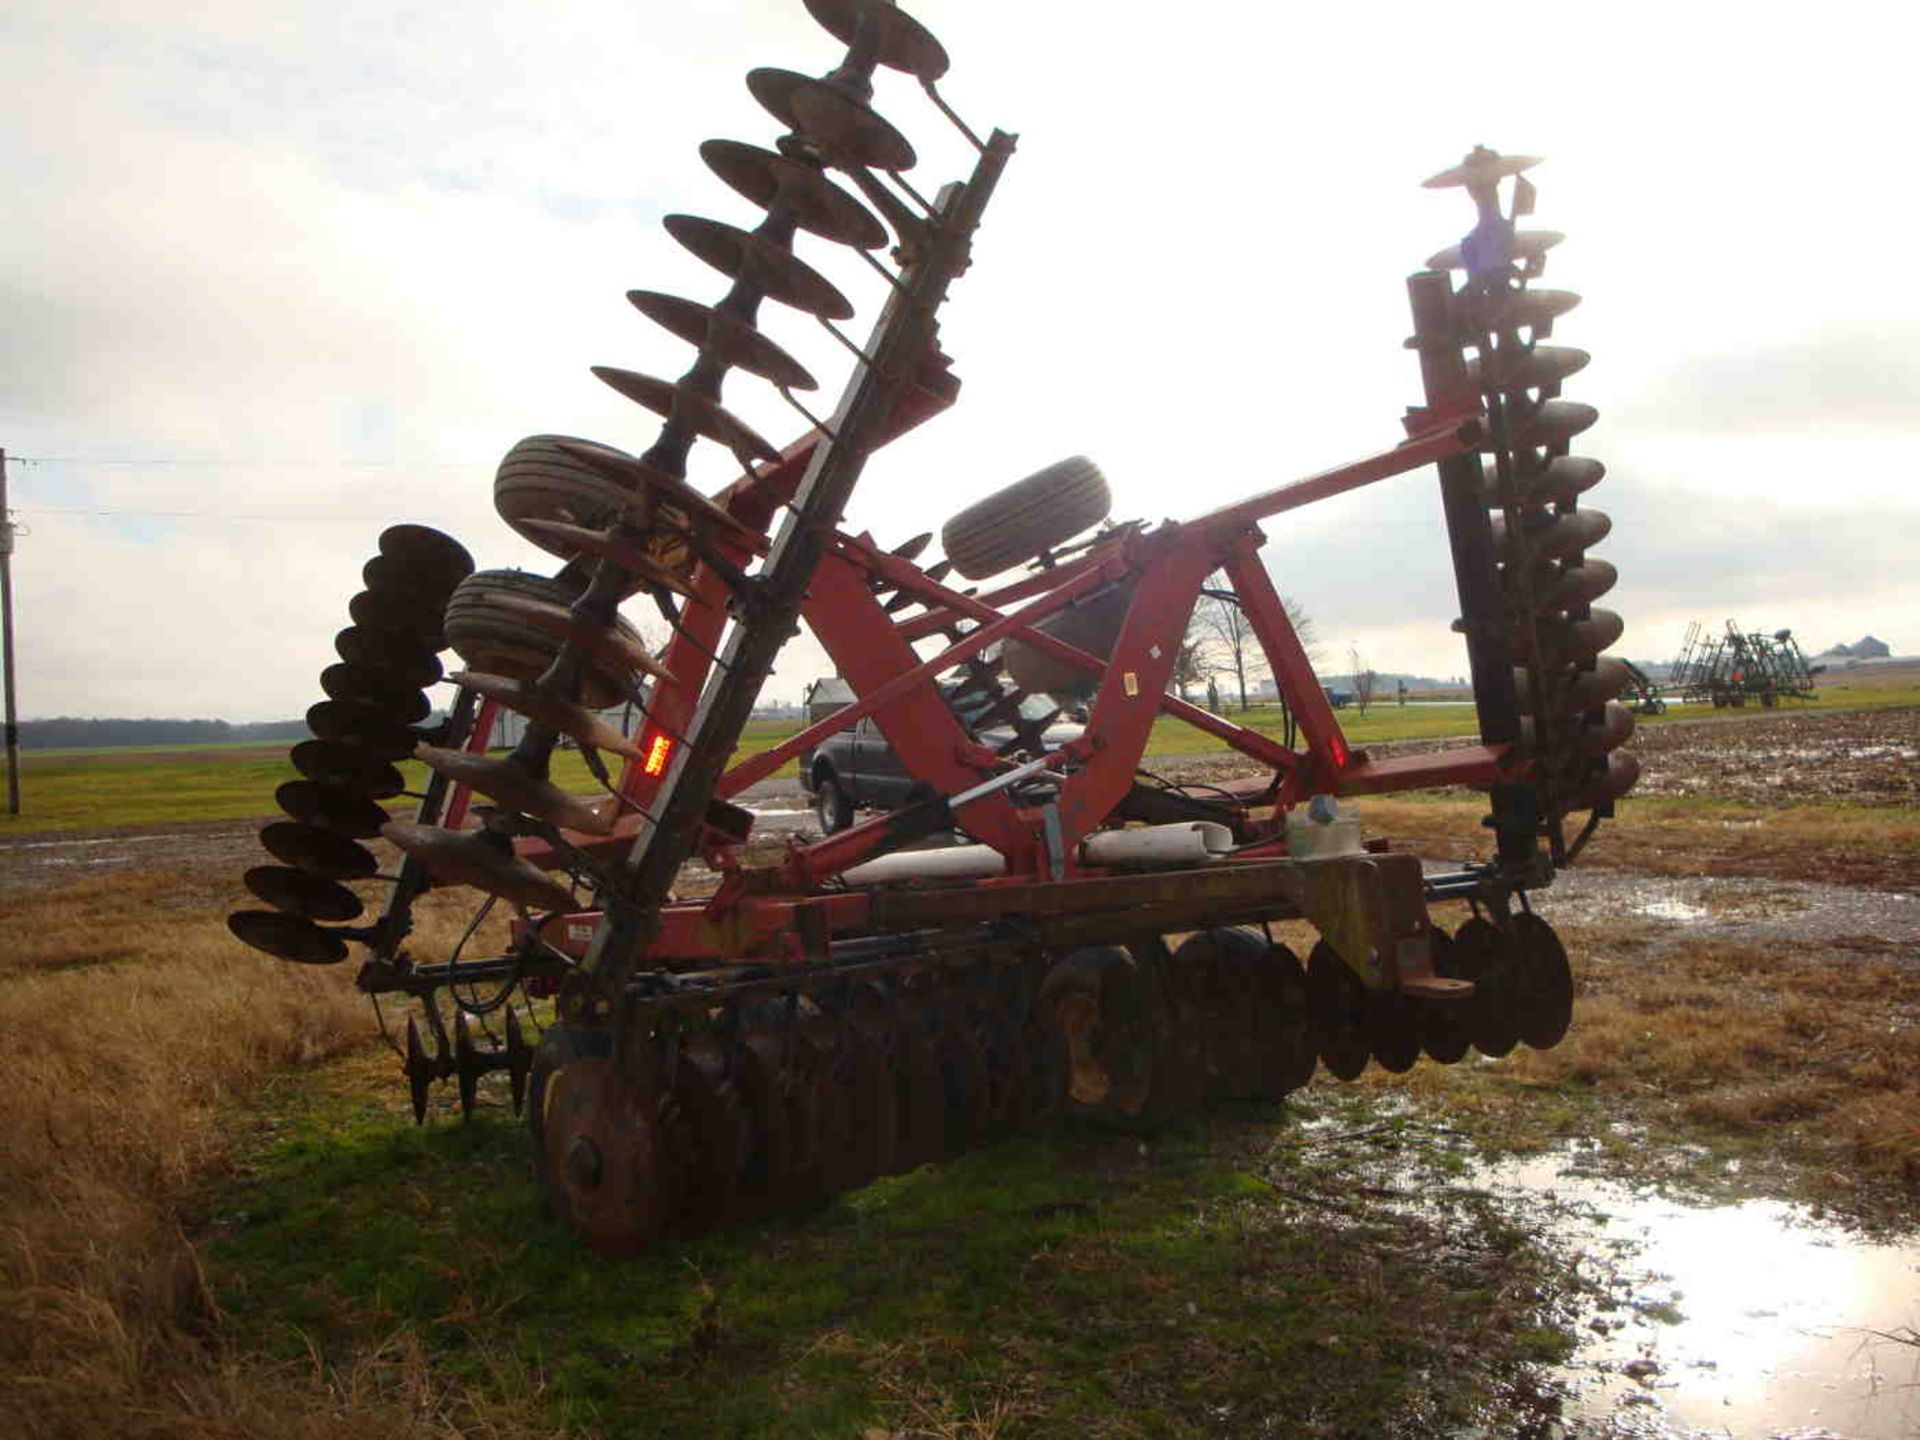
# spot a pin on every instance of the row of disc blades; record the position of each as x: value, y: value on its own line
x: 769, y: 1106
x: 371, y: 718
x: 1542, y: 532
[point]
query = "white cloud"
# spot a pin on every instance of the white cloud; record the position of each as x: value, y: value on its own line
x: 348, y: 254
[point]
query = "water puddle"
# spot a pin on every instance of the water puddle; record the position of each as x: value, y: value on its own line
x: 1667, y: 907
x: 1742, y: 1320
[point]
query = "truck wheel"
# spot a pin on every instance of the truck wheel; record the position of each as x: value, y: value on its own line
x: 831, y: 806
x: 1026, y: 518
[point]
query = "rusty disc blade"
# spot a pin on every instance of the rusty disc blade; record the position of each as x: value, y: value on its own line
x: 1559, y: 482
x: 670, y: 491
x: 778, y: 272
x: 318, y: 852
x: 1530, y: 368
x: 718, y: 1137
x: 1574, y: 641
x: 603, y: 1156
x: 1528, y: 246
x: 905, y: 44
x: 1527, y: 309
x: 327, y: 808
x: 1483, y: 167
x: 367, y: 726
x: 391, y: 576
x: 471, y: 857
x: 1621, y: 772
x: 398, y: 610
x: 848, y: 129
x: 1614, y: 729
x: 505, y: 780
x: 287, y: 937
x: 557, y: 537
x: 720, y: 335
x: 1554, y: 536
x: 335, y: 762
x: 709, y: 417
x: 378, y: 687
x: 393, y: 650
x: 613, y: 649
x: 298, y: 893
x: 438, y: 559
x: 912, y: 548
x: 1553, y: 423
x: 562, y: 715
x: 819, y: 206
x: 1581, y: 584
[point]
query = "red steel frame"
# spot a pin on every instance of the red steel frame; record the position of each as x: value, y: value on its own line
x: 895, y: 686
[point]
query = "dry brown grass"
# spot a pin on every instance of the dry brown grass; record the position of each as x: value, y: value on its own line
x: 1801, y: 1053
x: 134, y: 1024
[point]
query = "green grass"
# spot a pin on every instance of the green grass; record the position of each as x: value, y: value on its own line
x: 1221, y: 1278
x: 81, y: 790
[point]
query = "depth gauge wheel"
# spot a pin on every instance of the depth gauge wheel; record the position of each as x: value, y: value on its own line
x: 1027, y: 518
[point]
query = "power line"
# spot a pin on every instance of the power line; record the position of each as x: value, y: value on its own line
x: 302, y: 519
x: 274, y: 462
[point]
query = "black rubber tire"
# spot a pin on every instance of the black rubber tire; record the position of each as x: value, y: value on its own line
x: 1026, y: 518
x: 494, y: 642
x: 831, y: 807
x: 537, y: 480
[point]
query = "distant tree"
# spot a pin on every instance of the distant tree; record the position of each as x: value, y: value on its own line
x: 1363, y: 679
x: 1226, y: 636
x: 1189, y: 664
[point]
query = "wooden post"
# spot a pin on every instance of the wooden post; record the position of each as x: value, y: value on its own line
x: 6, y: 642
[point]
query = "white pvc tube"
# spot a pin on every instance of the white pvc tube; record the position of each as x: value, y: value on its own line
x: 956, y: 862
x: 1191, y: 842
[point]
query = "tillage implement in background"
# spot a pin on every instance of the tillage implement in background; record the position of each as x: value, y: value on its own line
x: 1738, y: 665
x: 1097, y: 942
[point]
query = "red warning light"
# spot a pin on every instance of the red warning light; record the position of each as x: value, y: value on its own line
x: 659, y: 749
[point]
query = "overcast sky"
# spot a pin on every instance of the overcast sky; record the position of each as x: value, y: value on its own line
x: 275, y: 275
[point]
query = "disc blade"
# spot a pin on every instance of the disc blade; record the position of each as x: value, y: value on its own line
x: 377, y: 733
x: 324, y: 807
x: 423, y: 551
x: 1528, y: 246
x: 377, y: 687
x: 668, y: 490
x: 1553, y: 422
x: 397, y: 610
x: 318, y: 852
x: 718, y: 334
x: 562, y: 715
x: 819, y: 206
x: 298, y: 893
x: 557, y: 537
x: 287, y: 937
x: 848, y: 129
x: 904, y: 43
x: 1533, y: 368
x: 390, y: 649
x: 778, y: 272
x: 1482, y: 167
x: 709, y: 417
x: 505, y: 780
x: 468, y: 857
x: 612, y: 648
x: 335, y: 762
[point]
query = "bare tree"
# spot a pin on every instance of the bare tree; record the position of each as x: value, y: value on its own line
x: 1226, y: 635
x: 1189, y: 665
x: 1363, y: 679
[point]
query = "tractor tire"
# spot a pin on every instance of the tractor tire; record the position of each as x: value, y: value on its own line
x: 1026, y: 519
x: 537, y: 480
x: 494, y: 641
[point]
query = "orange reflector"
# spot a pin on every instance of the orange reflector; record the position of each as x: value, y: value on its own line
x: 1339, y: 748
x: 659, y: 749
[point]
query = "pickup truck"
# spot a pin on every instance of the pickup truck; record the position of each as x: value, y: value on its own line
x: 856, y: 769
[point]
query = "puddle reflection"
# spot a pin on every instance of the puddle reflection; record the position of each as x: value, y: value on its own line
x: 1733, y: 1320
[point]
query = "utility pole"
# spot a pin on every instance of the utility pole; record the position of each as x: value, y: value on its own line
x: 6, y: 641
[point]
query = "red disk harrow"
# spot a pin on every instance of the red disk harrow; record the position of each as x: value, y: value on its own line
x: 1044, y: 928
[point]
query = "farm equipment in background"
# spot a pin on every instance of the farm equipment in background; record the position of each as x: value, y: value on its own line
x: 1644, y: 697
x: 1047, y: 928
x: 1736, y: 666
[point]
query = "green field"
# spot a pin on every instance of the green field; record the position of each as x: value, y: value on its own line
x: 95, y: 789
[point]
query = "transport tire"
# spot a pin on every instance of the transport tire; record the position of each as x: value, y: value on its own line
x: 1027, y: 518
x: 494, y: 641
